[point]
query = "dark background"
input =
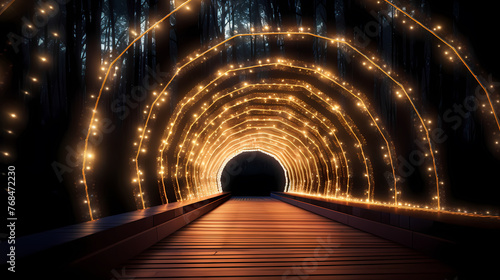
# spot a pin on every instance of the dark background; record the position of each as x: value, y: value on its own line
x: 253, y: 174
x: 55, y: 110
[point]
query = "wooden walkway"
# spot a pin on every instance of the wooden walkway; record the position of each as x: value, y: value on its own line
x: 263, y: 238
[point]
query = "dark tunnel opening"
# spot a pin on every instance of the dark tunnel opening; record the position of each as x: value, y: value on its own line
x: 253, y: 173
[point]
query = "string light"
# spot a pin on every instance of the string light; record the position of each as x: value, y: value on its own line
x: 201, y: 89
x: 153, y: 106
x: 263, y: 131
x: 457, y: 54
x: 86, y: 189
x: 226, y: 74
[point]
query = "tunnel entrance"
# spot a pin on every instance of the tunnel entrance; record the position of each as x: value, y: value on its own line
x: 253, y: 173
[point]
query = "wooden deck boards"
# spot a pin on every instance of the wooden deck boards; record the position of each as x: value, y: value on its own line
x: 263, y: 238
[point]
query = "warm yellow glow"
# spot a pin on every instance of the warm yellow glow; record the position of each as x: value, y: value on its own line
x: 303, y: 141
x: 99, y: 97
x: 457, y: 54
x: 283, y: 63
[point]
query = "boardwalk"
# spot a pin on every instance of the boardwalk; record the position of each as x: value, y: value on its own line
x: 263, y: 238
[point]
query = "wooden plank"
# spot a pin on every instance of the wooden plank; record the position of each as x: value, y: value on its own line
x: 268, y: 239
x: 320, y: 277
x: 307, y: 270
x: 263, y: 258
x: 280, y: 262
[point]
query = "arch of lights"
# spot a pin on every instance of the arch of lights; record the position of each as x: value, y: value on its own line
x: 262, y: 114
x: 287, y: 101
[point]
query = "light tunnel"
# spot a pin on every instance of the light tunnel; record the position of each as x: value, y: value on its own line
x: 284, y: 104
x: 325, y: 133
x: 369, y: 118
x: 257, y: 110
x: 323, y: 125
x: 331, y: 177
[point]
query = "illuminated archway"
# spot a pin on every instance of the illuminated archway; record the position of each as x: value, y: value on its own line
x: 326, y: 165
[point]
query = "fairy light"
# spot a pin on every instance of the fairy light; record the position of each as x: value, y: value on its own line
x: 279, y: 147
x: 372, y: 64
x: 99, y: 97
x: 262, y: 126
x: 151, y: 109
x: 226, y: 73
x: 457, y: 54
x: 279, y: 138
x: 283, y: 64
x: 5, y: 6
x: 180, y: 145
x: 238, y: 89
x: 235, y: 116
x: 264, y: 134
